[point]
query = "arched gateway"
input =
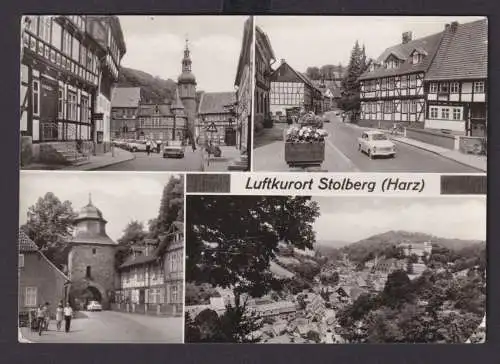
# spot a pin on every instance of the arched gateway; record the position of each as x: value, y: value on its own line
x: 91, y: 259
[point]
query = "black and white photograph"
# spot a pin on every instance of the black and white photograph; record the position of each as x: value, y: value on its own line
x: 337, y: 270
x: 101, y: 258
x: 136, y: 93
x: 371, y: 94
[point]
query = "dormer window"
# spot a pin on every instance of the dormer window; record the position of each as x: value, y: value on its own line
x: 417, y: 57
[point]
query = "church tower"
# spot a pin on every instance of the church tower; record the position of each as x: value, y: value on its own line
x: 186, y: 85
x: 91, y: 259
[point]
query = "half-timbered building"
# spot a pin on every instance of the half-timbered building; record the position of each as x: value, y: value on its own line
x: 290, y: 89
x: 216, y: 122
x: 62, y: 70
x: 125, y: 103
x: 392, y: 90
x: 165, y: 121
x: 457, y: 98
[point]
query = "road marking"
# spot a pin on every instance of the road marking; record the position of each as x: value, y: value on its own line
x: 343, y: 156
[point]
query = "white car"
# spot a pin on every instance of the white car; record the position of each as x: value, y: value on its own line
x: 94, y: 306
x: 376, y: 143
x: 173, y: 149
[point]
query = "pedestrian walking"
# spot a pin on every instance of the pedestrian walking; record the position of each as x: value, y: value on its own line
x: 158, y: 146
x: 68, y: 314
x: 148, y: 146
x: 59, y: 315
x: 40, y: 318
x: 47, y: 316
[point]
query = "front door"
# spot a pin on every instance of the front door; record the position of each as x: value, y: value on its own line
x: 48, y: 109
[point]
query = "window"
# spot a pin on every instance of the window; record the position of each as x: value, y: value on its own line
x: 76, y: 50
x: 21, y: 260
x: 444, y: 87
x: 94, y: 251
x: 88, y: 272
x: 479, y: 87
x: 383, y: 84
x: 404, y: 81
x: 72, y: 113
x: 67, y: 43
x: 433, y: 114
x: 433, y: 88
x: 454, y: 87
x: 44, y: 32
x: 457, y: 113
x: 56, y: 35
x: 60, y: 103
x: 417, y: 57
x: 85, y: 109
x: 445, y: 113
x: 388, y: 107
x: 413, y: 81
x: 413, y: 106
x: 173, y: 294
x: 30, y: 295
x: 36, y: 97
x: 405, y: 106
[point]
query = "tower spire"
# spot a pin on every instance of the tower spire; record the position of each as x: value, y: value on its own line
x: 90, y: 198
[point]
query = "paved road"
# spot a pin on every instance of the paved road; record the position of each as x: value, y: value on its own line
x: 114, y: 327
x: 192, y: 161
x: 342, y: 155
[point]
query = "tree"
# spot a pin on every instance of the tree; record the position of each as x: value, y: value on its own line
x: 397, y: 289
x: 233, y: 239
x: 413, y: 258
x: 133, y: 233
x: 50, y: 225
x: 171, y: 207
x: 313, y: 73
x: 358, y: 64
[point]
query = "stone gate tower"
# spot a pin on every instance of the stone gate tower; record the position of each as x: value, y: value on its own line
x: 91, y: 260
x: 186, y: 85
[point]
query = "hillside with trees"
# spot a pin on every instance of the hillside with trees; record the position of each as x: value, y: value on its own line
x: 325, y: 72
x: 379, y: 244
x: 154, y: 89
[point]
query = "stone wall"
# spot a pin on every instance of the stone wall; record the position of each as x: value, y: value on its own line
x: 432, y: 137
x: 26, y: 150
x: 101, y: 260
x: 153, y: 309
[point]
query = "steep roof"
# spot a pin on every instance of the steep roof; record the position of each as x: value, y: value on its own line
x: 404, y: 51
x: 140, y: 259
x: 463, y: 53
x: 261, y: 35
x: 126, y: 97
x: 245, y: 51
x: 24, y: 243
x: 214, y: 102
x: 149, y: 109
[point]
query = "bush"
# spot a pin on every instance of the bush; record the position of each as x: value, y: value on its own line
x: 268, y: 123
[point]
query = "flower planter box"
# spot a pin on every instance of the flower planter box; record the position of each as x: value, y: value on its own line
x: 304, y: 154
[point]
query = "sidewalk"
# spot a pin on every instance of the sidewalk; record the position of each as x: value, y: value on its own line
x: 474, y: 161
x: 103, y: 160
x: 94, y: 162
x: 219, y: 164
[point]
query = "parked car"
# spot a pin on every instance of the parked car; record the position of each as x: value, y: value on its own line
x: 137, y: 146
x: 376, y: 143
x: 94, y: 306
x: 173, y: 150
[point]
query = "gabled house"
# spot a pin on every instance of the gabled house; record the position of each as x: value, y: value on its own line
x: 40, y: 280
x: 151, y: 278
x: 457, y: 81
x: 216, y: 121
x: 392, y: 90
x: 124, y: 112
x: 292, y: 89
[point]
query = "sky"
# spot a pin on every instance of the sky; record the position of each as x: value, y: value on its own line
x: 121, y: 197
x: 349, y: 219
x: 155, y: 44
x: 319, y: 40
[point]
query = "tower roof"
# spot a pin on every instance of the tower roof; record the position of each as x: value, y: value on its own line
x: 186, y: 76
x: 89, y: 212
x: 177, y: 104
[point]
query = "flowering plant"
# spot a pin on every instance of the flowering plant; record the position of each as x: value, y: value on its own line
x: 305, y: 134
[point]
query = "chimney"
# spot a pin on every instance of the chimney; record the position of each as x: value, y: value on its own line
x: 454, y: 26
x: 283, y: 61
x: 406, y: 37
x: 447, y: 27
